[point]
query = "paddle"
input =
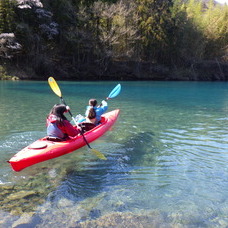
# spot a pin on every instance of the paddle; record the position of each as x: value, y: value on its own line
x: 113, y: 93
x: 55, y: 88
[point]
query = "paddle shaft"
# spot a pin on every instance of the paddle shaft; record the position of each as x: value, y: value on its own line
x: 69, y: 111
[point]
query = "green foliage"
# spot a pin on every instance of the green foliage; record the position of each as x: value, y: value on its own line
x: 4, y: 75
x: 208, y: 31
x: 188, y: 39
x: 114, y: 28
x: 97, y: 32
x: 215, y: 29
x: 7, y: 16
x: 156, y: 28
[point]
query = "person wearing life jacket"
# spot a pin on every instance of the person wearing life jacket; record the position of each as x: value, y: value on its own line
x: 93, y: 112
x: 58, y: 127
x: 92, y: 115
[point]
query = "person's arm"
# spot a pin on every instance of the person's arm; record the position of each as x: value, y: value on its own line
x: 104, y: 106
x: 100, y: 110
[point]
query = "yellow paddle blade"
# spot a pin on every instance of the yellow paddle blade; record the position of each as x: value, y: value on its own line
x: 98, y: 154
x: 54, y: 86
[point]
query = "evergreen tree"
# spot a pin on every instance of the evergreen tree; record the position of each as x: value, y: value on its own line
x: 155, y: 26
x: 7, y: 16
x: 191, y: 40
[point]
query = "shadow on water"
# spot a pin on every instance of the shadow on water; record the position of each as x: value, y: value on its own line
x: 140, y: 146
x: 79, y: 185
x: 96, y: 176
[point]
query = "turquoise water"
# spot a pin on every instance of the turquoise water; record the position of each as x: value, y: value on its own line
x: 167, y: 157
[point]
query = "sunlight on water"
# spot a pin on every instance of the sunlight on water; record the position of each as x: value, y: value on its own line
x: 167, y: 157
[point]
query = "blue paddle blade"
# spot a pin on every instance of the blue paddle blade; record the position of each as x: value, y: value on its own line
x: 115, y: 91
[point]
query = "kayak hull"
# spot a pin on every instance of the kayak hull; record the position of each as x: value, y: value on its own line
x: 43, y: 149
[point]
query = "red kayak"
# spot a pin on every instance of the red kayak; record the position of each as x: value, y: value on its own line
x: 44, y: 149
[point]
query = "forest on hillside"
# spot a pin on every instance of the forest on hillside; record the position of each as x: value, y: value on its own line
x: 114, y: 39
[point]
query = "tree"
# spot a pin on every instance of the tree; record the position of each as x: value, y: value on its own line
x: 155, y: 27
x: 7, y: 16
x: 115, y: 28
x: 215, y: 29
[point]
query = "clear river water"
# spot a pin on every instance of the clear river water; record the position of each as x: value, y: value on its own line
x: 167, y: 157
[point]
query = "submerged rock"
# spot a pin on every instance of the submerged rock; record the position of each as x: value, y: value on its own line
x: 124, y: 220
x: 21, y: 194
x: 24, y: 218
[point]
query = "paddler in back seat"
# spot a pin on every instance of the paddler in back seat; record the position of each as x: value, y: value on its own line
x: 58, y: 127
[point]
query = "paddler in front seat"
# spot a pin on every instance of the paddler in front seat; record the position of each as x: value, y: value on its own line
x: 58, y: 127
x: 93, y: 114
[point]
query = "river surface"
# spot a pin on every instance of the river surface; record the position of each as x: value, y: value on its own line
x: 167, y: 157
